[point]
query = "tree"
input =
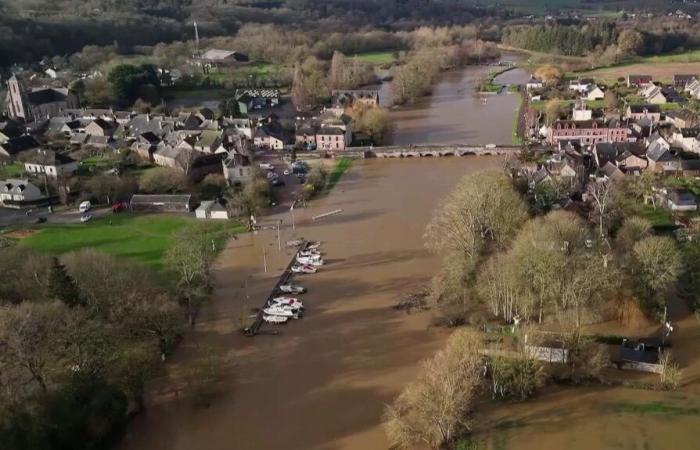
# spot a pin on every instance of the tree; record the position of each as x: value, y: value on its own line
x: 603, y: 201
x: 98, y: 92
x: 656, y: 264
x: 434, y: 409
x: 500, y: 286
x: 228, y: 107
x: 103, y: 188
x: 62, y: 286
x: 374, y: 122
x: 611, y: 101
x: 337, y: 76
x: 131, y: 82
x: 300, y: 91
x: 249, y: 199
x: 449, y: 291
x: 189, y: 260
x: 483, y: 209
x: 163, y: 180
x: 630, y: 42
x: 549, y: 74
x: 553, y: 110
x: 30, y: 333
x: 633, y: 230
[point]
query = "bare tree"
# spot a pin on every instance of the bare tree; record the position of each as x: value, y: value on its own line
x: 337, y: 75
x: 483, y: 209
x: 189, y: 259
x: 656, y: 264
x: 30, y: 333
x: 435, y: 408
x: 603, y: 201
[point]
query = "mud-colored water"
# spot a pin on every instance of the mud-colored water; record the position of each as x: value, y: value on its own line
x: 454, y: 114
x: 323, y: 382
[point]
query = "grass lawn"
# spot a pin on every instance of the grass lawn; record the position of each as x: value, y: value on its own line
x: 593, y: 104
x: 378, y: 58
x: 14, y: 170
x: 659, y: 217
x: 340, y: 167
x: 142, y: 237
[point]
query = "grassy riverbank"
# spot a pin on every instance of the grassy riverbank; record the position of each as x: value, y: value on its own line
x: 144, y: 238
x: 341, y: 167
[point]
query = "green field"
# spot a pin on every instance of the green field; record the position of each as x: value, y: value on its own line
x: 142, y: 237
x: 376, y: 57
x: 689, y: 56
x: 593, y: 104
x: 14, y: 170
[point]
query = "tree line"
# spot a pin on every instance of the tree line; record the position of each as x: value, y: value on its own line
x: 81, y: 334
x: 526, y: 267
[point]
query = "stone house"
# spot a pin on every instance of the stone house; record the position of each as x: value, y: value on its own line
x: 639, y: 112
x: 48, y: 162
x: 15, y: 192
x: 588, y: 131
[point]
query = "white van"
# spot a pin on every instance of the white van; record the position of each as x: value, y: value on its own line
x: 84, y: 207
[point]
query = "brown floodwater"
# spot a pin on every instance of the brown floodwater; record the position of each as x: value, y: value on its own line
x: 323, y: 381
x: 455, y: 113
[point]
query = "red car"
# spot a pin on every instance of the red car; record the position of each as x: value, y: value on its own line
x: 118, y: 207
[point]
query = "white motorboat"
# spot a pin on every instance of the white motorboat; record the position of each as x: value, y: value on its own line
x: 303, y: 268
x: 312, y: 253
x: 285, y: 301
x: 313, y: 245
x: 310, y: 260
x: 294, y: 243
x: 275, y: 319
x: 292, y: 289
x: 281, y: 311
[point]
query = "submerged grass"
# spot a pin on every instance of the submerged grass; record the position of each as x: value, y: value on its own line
x: 342, y: 165
x: 657, y: 408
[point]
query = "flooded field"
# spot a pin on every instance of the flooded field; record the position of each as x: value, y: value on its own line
x: 323, y: 382
x: 453, y: 114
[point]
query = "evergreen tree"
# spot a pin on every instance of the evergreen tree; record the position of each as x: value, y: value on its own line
x: 62, y: 286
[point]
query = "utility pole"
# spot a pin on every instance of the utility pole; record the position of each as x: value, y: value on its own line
x: 291, y: 211
x: 279, y: 241
x: 265, y: 259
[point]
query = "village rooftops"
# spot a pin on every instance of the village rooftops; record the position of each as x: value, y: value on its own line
x: 47, y: 158
x: 639, y: 79
x: 683, y: 79
x: 256, y: 93
x: 690, y: 132
x: 327, y: 131
x: 641, y: 109
x: 219, y: 55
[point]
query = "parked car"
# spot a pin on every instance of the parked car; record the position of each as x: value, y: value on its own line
x: 272, y: 175
x: 84, y: 207
x: 85, y: 218
x: 266, y: 166
x: 277, y: 182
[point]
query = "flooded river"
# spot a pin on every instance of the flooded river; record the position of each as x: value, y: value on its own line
x: 323, y: 382
x: 454, y: 113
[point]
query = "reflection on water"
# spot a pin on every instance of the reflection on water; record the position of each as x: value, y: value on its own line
x: 454, y: 113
